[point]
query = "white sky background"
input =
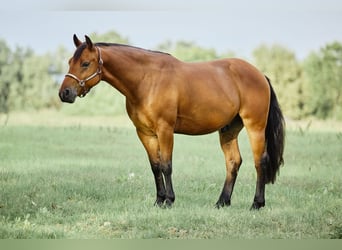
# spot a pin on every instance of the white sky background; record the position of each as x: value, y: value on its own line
x: 225, y: 25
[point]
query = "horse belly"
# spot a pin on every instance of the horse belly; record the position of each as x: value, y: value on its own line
x: 206, y: 113
x: 201, y: 125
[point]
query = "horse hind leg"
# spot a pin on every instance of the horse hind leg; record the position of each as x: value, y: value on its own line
x: 230, y: 148
x: 258, y: 141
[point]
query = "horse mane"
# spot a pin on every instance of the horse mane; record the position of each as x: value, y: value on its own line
x: 80, y: 49
x: 130, y: 46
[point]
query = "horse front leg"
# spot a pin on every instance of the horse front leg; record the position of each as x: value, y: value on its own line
x: 151, y: 145
x: 165, y: 139
x: 160, y: 186
x: 159, y: 150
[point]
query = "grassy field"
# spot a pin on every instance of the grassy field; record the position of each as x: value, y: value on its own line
x: 86, y: 180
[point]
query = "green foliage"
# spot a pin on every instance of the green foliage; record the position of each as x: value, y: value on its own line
x: 38, y: 88
x: 109, y: 37
x: 4, y: 81
x: 188, y: 51
x: 25, y: 80
x: 323, y: 70
x: 311, y: 88
x: 285, y: 72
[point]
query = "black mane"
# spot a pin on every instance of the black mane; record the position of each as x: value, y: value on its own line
x: 80, y: 49
x: 129, y: 46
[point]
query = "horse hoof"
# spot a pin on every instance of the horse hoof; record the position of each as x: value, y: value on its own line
x: 159, y: 203
x: 220, y: 203
x: 257, y: 205
x: 168, y: 203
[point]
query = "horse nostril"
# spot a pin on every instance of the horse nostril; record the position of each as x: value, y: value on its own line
x: 68, y: 95
x: 66, y: 92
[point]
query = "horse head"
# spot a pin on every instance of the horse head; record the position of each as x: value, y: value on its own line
x: 85, y: 70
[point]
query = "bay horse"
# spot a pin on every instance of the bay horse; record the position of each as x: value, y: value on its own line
x: 165, y: 96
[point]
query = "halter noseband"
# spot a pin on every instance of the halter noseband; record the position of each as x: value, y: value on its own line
x: 82, y: 82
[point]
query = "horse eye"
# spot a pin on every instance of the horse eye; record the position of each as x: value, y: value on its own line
x: 85, y: 64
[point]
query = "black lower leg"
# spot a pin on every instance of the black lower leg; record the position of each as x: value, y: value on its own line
x: 259, y: 198
x: 169, y: 195
x: 160, y: 187
x: 257, y: 205
x: 226, y: 193
x: 228, y: 188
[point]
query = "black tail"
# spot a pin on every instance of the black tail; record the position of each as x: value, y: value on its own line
x: 275, y: 138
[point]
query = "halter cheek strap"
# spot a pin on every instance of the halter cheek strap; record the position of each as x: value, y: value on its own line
x: 82, y: 82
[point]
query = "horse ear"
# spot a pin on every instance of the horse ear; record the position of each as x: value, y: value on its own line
x: 77, y: 42
x: 89, y: 43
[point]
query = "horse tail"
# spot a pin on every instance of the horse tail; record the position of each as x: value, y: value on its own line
x: 275, y: 138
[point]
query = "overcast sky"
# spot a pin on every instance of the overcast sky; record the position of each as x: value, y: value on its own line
x: 239, y: 26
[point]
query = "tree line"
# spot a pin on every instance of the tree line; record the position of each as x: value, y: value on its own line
x: 306, y: 88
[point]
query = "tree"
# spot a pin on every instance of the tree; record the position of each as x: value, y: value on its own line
x: 285, y: 72
x: 109, y: 37
x: 39, y: 90
x: 323, y: 70
x: 11, y: 80
x: 187, y: 51
x: 5, y: 55
x: 25, y: 80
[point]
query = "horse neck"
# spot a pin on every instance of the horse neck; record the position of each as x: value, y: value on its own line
x: 125, y: 68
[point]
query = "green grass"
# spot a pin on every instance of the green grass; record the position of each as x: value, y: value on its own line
x: 95, y: 182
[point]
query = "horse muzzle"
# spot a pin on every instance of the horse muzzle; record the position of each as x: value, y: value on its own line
x: 68, y: 95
